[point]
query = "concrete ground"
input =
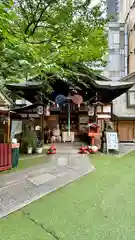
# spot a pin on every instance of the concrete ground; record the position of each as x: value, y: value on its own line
x: 125, y: 148
x: 23, y: 187
x: 65, y: 148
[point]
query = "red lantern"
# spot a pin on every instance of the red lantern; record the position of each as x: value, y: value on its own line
x: 77, y: 99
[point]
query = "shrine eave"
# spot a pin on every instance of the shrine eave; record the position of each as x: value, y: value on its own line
x: 86, y: 86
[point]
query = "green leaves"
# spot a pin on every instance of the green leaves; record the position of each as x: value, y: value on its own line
x: 42, y: 35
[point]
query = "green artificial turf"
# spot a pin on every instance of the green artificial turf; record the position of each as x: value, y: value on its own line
x: 27, y: 163
x: 99, y: 206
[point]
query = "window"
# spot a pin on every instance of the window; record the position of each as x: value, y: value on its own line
x: 116, y: 38
x: 131, y: 98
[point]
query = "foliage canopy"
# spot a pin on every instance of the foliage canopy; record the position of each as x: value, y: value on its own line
x: 46, y: 35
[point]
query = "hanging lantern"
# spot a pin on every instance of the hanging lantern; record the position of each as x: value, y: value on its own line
x: 40, y: 110
x: 47, y: 111
x: 90, y: 110
x: 53, y: 105
x: 60, y: 99
x: 77, y: 99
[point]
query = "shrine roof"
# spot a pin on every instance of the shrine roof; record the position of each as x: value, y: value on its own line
x: 88, y: 85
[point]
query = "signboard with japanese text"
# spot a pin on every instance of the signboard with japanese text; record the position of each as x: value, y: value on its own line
x: 112, y: 141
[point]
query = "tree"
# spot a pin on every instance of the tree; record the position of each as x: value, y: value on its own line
x: 16, y: 55
x: 46, y: 35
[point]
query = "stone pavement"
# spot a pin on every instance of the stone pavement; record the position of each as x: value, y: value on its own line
x: 126, y: 148
x: 62, y: 148
x: 23, y: 187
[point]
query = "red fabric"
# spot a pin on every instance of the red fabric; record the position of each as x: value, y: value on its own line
x: 5, y: 156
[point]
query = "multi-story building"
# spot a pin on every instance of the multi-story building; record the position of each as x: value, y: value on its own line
x: 117, y: 51
x: 124, y: 106
x: 123, y: 12
x: 113, y: 10
x: 129, y: 18
x: 117, y: 42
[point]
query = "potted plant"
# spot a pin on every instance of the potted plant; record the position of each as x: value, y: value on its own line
x: 29, y: 149
x: 39, y: 147
x: 28, y: 142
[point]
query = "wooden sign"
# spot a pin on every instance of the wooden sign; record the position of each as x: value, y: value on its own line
x: 31, y: 115
x: 112, y: 141
x: 103, y: 116
x: 83, y: 119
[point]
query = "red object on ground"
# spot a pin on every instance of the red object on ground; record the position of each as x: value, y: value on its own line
x: 53, y: 147
x: 90, y: 151
x: 5, y: 156
x: 83, y: 150
x: 52, y: 150
x: 93, y: 149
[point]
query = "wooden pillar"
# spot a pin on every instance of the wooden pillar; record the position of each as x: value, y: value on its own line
x: 42, y: 127
x: 111, y: 111
x: 8, y: 130
x: 95, y: 113
x: 117, y: 126
x: 95, y: 108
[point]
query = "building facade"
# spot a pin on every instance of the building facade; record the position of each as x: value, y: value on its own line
x: 121, y: 40
x: 127, y: 17
x: 124, y: 106
x: 130, y: 21
x: 113, y: 9
x: 117, y: 56
x: 124, y: 112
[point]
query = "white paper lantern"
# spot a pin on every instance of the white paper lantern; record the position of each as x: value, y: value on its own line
x: 40, y: 110
x: 47, y: 111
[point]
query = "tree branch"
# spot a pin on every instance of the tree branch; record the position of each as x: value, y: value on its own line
x: 32, y: 21
x: 44, y: 8
x: 36, y: 24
